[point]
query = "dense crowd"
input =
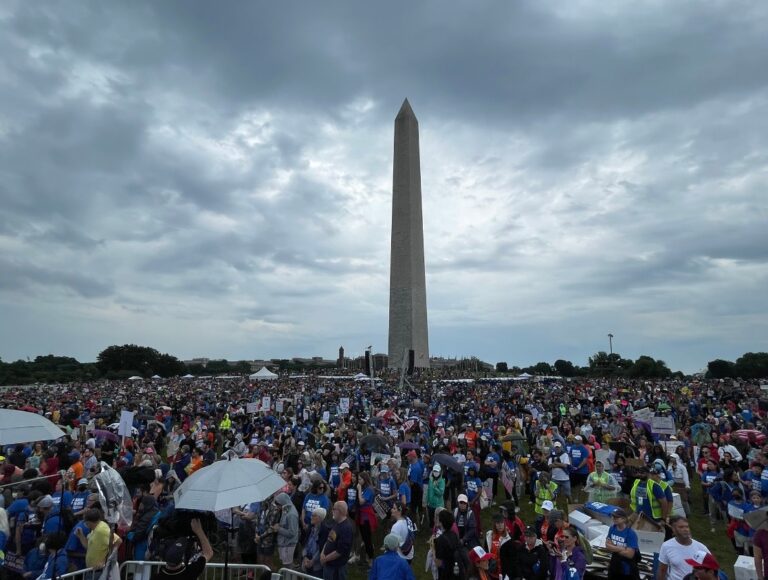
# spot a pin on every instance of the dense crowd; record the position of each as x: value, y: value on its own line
x: 371, y: 464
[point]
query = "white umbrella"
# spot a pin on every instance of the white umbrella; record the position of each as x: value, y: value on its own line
x: 226, y: 484
x: 23, y: 427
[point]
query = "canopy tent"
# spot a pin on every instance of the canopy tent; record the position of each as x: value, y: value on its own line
x: 135, y: 378
x: 155, y: 377
x: 188, y: 377
x: 263, y: 374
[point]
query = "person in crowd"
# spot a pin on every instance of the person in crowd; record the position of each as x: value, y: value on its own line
x: 623, y: 544
x: 450, y: 563
x: 390, y: 566
x: 405, y: 530
x: 560, y: 464
x: 338, y: 547
x: 533, y: 557
x: 178, y: 565
x: 367, y: 520
x: 435, y: 492
x: 287, y: 529
x: 316, y: 538
x: 569, y: 558
x: 600, y: 485
x: 467, y: 523
x: 675, y: 552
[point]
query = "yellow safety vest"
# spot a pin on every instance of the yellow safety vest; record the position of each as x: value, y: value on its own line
x: 655, y: 505
x: 543, y: 494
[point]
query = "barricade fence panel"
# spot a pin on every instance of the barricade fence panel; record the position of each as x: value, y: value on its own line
x: 142, y: 570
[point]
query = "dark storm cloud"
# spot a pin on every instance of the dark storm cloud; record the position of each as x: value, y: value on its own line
x: 182, y: 161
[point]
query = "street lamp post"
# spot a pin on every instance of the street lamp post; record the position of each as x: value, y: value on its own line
x: 610, y: 342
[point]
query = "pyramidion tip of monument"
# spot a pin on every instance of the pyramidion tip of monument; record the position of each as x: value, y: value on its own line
x: 406, y: 110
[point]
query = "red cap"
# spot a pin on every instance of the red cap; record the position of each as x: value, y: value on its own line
x: 411, y: 453
x: 703, y: 560
x: 477, y: 554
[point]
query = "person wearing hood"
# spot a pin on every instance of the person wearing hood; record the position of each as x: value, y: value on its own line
x: 287, y: 529
x: 435, y: 493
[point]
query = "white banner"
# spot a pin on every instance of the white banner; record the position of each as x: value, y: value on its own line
x: 344, y: 405
x: 663, y: 425
x: 326, y: 417
x: 126, y: 422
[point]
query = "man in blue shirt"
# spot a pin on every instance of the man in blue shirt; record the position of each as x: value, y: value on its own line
x: 416, y: 480
x: 579, y: 456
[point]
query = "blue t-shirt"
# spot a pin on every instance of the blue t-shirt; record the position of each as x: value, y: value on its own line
x: 578, y: 454
x: 335, y: 479
x: 312, y: 502
x: 368, y: 495
x: 56, y: 497
x: 494, y: 457
x: 386, y: 487
x: 78, y: 501
x: 626, y: 538
x: 404, y: 491
x: 473, y: 486
x: 416, y: 472
x: 351, y: 499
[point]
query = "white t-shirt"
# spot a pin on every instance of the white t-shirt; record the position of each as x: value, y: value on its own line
x: 674, y: 555
x: 400, y: 529
x: 558, y: 473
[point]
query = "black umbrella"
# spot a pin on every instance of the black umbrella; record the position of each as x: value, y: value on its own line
x: 375, y: 442
x: 448, y: 462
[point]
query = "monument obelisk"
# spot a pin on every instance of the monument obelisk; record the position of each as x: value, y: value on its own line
x: 407, y: 284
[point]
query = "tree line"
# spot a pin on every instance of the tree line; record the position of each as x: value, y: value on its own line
x: 120, y: 362
x: 751, y: 365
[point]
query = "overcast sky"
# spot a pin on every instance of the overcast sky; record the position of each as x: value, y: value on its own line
x: 216, y: 181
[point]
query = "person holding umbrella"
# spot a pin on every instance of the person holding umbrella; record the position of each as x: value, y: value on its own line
x: 176, y: 567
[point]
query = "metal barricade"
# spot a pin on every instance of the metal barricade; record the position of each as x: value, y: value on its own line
x: 78, y: 574
x: 142, y: 570
x: 288, y: 574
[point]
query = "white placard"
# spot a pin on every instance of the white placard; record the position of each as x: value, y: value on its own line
x: 306, y: 414
x: 321, y: 390
x: 126, y: 422
x: 252, y: 408
x: 344, y: 405
x: 643, y: 415
x: 663, y: 425
x: 266, y: 403
x: 326, y: 417
x: 279, y: 406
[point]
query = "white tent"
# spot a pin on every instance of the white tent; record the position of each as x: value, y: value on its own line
x: 155, y: 377
x: 263, y: 374
x: 188, y: 377
x: 135, y: 378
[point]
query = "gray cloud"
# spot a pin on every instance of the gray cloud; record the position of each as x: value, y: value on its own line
x: 586, y: 168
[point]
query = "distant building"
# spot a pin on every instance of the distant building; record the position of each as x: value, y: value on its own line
x: 340, y: 361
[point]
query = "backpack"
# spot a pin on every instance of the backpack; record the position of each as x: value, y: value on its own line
x: 461, y: 562
x: 407, y: 546
x: 587, y: 547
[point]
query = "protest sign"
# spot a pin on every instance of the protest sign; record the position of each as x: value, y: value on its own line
x: 126, y: 422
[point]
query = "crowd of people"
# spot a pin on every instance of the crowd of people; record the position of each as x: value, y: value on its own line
x: 388, y: 479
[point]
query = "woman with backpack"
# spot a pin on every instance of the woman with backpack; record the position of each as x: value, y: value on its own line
x: 450, y: 558
x: 405, y: 530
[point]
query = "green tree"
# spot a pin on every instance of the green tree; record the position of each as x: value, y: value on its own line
x: 649, y: 368
x: 501, y: 367
x: 752, y: 365
x: 542, y: 368
x: 565, y: 368
x: 720, y: 369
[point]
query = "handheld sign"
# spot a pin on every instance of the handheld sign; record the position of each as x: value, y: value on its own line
x: 126, y: 423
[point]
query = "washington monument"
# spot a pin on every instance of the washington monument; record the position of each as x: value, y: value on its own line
x: 407, y: 285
